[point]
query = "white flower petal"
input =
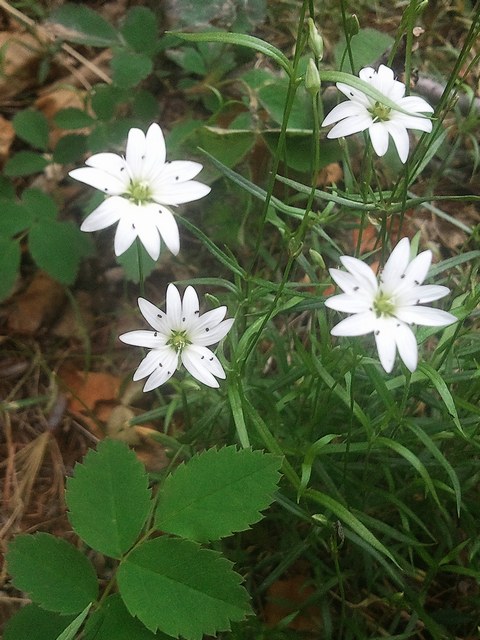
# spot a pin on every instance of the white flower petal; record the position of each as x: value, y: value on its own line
x: 194, y: 364
x: 420, y: 295
x: 400, y: 138
x: 207, y: 322
x: 149, y: 364
x: 379, y: 137
x: 174, y: 308
x: 155, y: 317
x: 164, y: 371
x: 126, y: 232
x: 101, y: 180
x: 143, y: 338
x: 415, y: 104
x: 180, y: 193
x: 417, y: 270
x: 396, y: 265
x: 214, y: 335
x: 155, y: 151
x: 348, y: 303
x: 167, y: 226
x: 110, y: 163
x: 343, y: 110
x: 407, y: 346
x: 176, y: 172
x: 356, y: 96
x: 104, y: 215
x: 361, y: 271
x: 386, y: 345
x: 425, y: 316
x: 148, y: 233
x: 357, y: 325
x: 208, y: 359
x: 348, y: 283
x: 355, y: 124
x: 190, y: 307
x: 136, y: 152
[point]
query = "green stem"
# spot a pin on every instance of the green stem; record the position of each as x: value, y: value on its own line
x: 141, y: 276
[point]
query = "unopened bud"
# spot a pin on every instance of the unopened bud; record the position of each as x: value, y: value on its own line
x: 315, y: 39
x: 317, y: 258
x: 312, y: 78
x: 352, y: 25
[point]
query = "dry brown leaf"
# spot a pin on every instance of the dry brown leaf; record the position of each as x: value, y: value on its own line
x: 21, y: 53
x: 37, y: 306
x: 7, y: 135
x: 284, y: 597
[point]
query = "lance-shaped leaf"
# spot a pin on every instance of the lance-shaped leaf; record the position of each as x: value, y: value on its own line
x: 108, y: 498
x: 55, y: 574
x: 179, y: 588
x: 217, y: 493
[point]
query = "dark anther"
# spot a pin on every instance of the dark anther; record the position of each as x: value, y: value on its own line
x: 155, y: 334
x: 377, y: 332
x: 207, y: 329
x: 183, y: 319
x: 356, y: 288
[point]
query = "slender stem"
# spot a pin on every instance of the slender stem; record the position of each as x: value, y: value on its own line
x: 141, y: 276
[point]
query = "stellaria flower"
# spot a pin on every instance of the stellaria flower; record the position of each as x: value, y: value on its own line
x: 361, y: 112
x: 138, y: 186
x: 180, y: 336
x: 388, y: 305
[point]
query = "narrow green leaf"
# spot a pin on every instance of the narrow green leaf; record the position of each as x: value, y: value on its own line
x: 58, y: 247
x: 55, y: 574
x: 217, y: 493
x: 71, y: 631
x: 78, y: 23
x: 113, y: 521
x: 438, y: 455
x: 47, y: 624
x: 112, y: 621
x: 181, y: 589
x: 24, y: 163
x: 439, y: 384
x: 9, y: 265
x: 414, y: 461
x: 129, y: 68
x: 32, y: 127
x: 350, y: 520
x: 239, y: 39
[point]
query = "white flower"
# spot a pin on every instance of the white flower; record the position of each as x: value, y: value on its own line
x: 362, y: 112
x: 138, y: 186
x: 388, y: 306
x: 180, y: 335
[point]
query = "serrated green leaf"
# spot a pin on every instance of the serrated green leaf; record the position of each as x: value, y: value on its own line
x: 113, y: 622
x: 58, y: 247
x: 55, y: 574
x: 70, y: 632
x: 47, y: 624
x: 113, y: 521
x: 9, y: 265
x: 140, y: 30
x: 78, y: 23
x: 129, y: 68
x: 73, y: 118
x: 40, y: 205
x: 217, y: 493
x: 32, y: 127
x: 70, y: 148
x: 24, y: 163
x: 181, y: 589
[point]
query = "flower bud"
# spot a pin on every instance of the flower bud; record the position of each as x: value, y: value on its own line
x: 315, y: 39
x: 317, y: 258
x: 352, y: 25
x: 312, y: 78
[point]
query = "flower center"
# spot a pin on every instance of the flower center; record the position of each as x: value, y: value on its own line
x: 179, y: 340
x: 139, y: 192
x: 383, y: 305
x: 380, y: 112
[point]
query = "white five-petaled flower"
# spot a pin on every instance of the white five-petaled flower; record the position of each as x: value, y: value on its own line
x: 138, y: 187
x: 361, y: 112
x: 180, y: 336
x: 388, y: 305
